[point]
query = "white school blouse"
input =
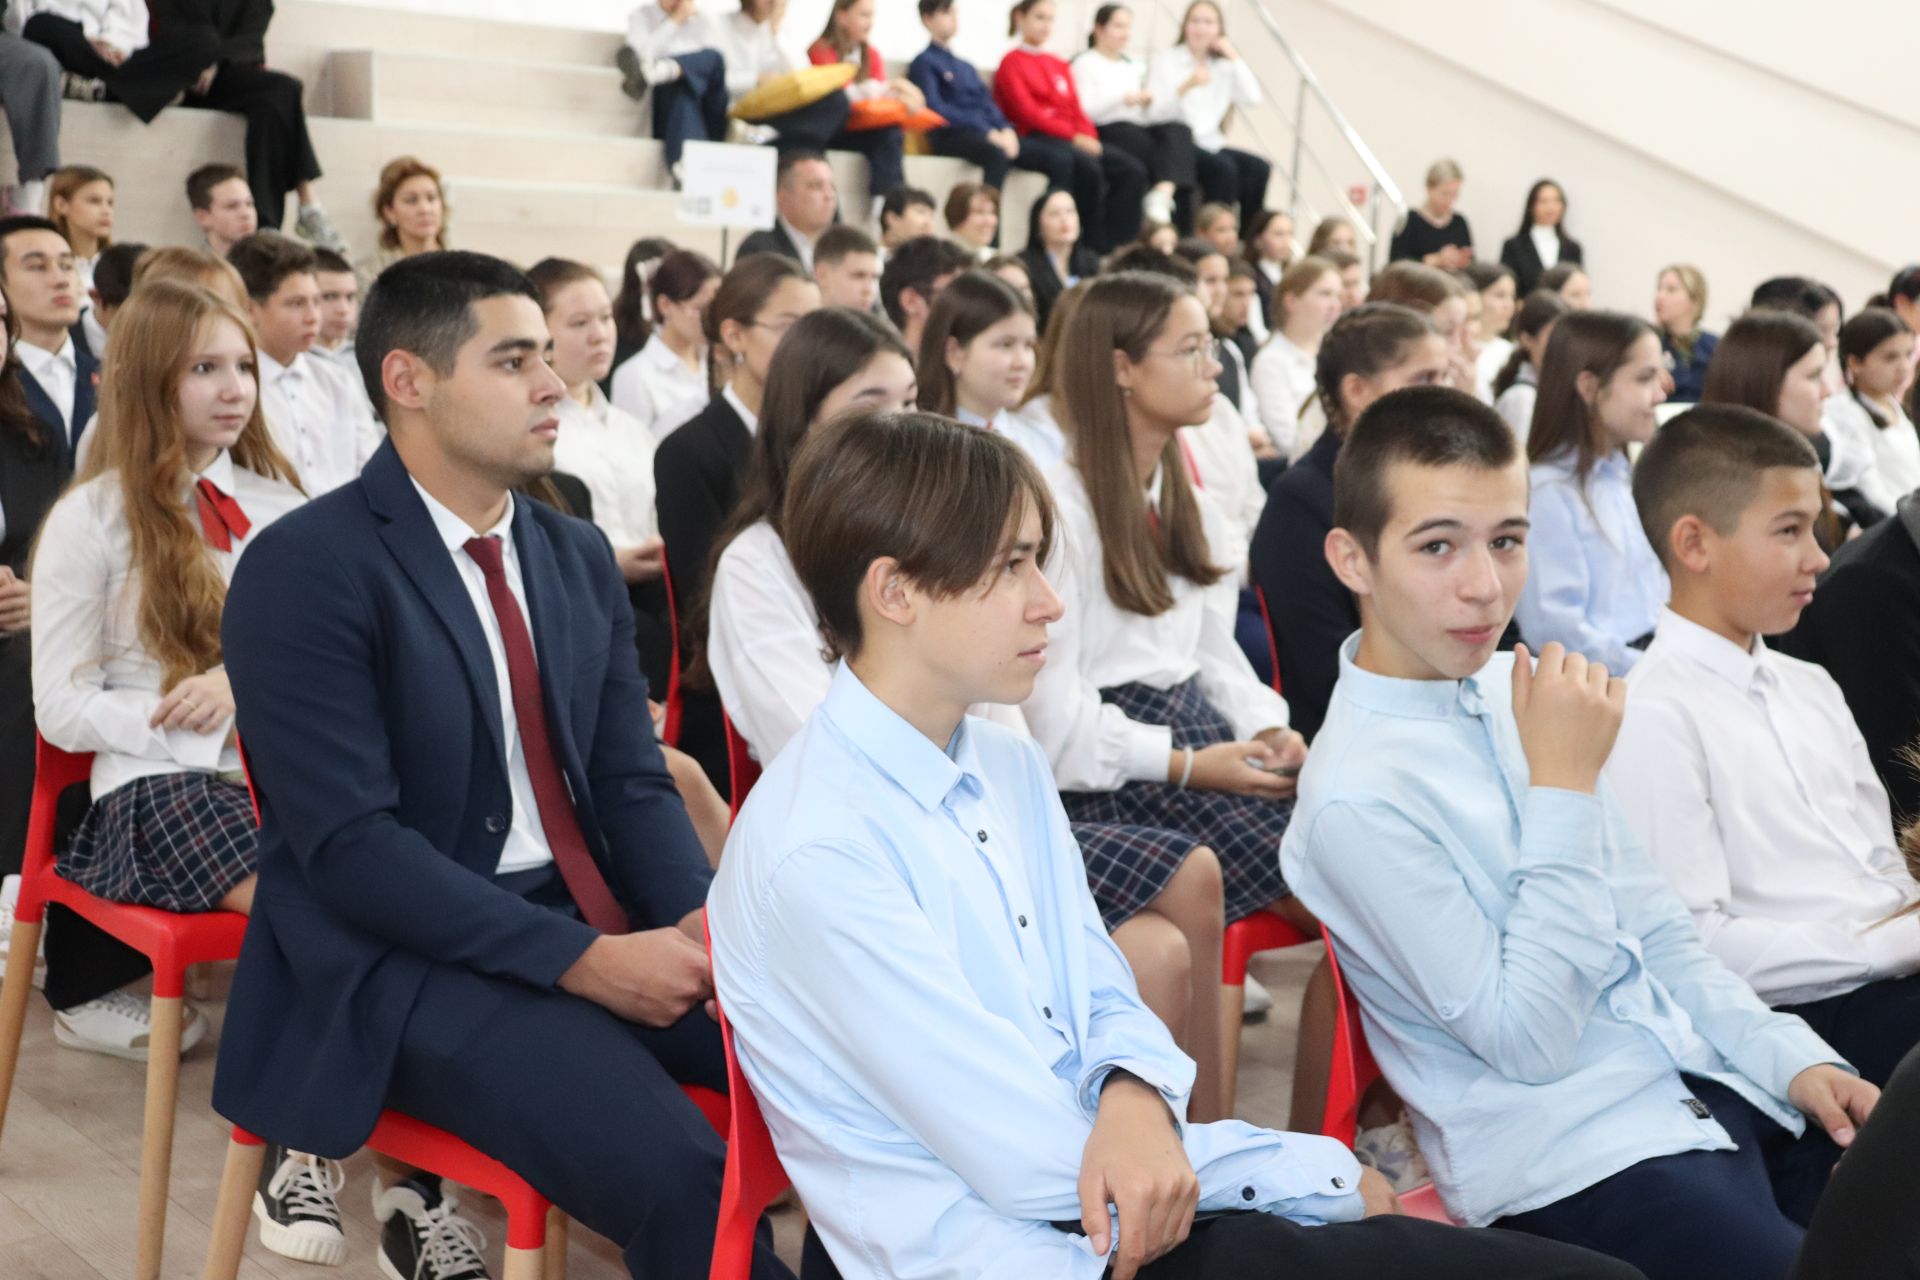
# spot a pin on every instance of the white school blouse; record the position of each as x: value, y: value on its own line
x: 1894, y: 450
x: 1204, y: 107
x: 1103, y: 84
x: 608, y: 450
x: 752, y: 53
x: 1283, y: 378
x: 121, y: 23
x: 764, y: 647
x: 317, y: 412
x: 95, y: 686
x: 654, y: 386
x: 1034, y: 428
x: 652, y: 34
x: 1092, y: 745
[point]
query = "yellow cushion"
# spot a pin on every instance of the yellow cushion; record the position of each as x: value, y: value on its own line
x: 792, y: 91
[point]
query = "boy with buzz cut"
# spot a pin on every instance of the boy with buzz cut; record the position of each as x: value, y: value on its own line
x: 1577, y: 1064
x: 1741, y: 769
x: 951, y: 1054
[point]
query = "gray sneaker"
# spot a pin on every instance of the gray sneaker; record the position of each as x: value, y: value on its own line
x: 633, y: 75
x: 316, y: 228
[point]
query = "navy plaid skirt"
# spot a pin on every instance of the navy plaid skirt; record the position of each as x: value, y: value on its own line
x: 1128, y: 866
x: 176, y: 841
x: 1243, y: 831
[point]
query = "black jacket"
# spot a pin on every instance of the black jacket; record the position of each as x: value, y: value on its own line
x: 1082, y: 263
x: 696, y: 474
x: 772, y: 240
x: 1519, y: 254
x: 1310, y: 611
x: 241, y: 25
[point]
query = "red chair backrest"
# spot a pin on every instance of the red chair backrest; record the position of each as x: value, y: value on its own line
x: 1273, y: 643
x: 742, y: 769
x: 54, y: 771
x: 1353, y: 1069
x: 753, y: 1177
x: 670, y: 728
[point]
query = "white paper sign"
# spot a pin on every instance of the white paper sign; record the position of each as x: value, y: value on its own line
x: 722, y: 185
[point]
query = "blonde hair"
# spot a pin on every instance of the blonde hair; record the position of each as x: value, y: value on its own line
x: 1443, y: 171
x: 139, y: 439
x: 1694, y: 282
x: 63, y: 184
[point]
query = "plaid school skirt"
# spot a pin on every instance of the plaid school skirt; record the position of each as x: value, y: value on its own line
x: 1128, y: 866
x: 1243, y: 831
x: 176, y: 841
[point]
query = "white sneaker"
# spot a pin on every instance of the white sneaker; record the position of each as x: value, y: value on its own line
x: 298, y: 1209
x: 746, y: 133
x: 1392, y: 1150
x: 120, y: 1025
x: 1158, y: 206
x: 9, y: 897
x: 1259, y: 1000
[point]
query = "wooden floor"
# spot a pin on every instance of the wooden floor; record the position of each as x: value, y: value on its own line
x: 70, y: 1158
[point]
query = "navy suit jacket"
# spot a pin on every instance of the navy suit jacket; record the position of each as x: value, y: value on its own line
x: 367, y: 702
x: 40, y: 404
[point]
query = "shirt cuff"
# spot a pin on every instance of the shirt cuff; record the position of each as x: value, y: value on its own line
x: 1174, y: 1087
x: 1306, y: 1179
x: 1560, y: 826
x: 1893, y: 948
x: 199, y: 751
x: 1148, y: 746
x: 1267, y: 710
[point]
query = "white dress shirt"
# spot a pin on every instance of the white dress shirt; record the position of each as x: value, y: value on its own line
x: 89, y: 322
x: 1097, y: 645
x: 608, y: 450
x: 1492, y: 359
x: 1034, y: 428
x: 526, y: 843
x: 1103, y: 84
x: 655, y: 386
x: 1746, y: 778
x: 56, y: 372
x: 121, y: 23
x: 95, y: 686
x: 1515, y: 404
x: 1203, y: 107
x: 802, y: 242
x: 763, y: 644
x: 752, y: 53
x: 1220, y: 460
x: 1890, y: 454
x: 1283, y: 378
x: 652, y: 34
x: 1546, y: 243
x: 748, y: 417
x: 318, y: 414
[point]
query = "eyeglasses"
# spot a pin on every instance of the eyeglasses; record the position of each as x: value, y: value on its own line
x: 778, y: 328
x: 1197, y: 359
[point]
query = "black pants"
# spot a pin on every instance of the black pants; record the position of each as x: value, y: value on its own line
x: 976, y: 148
x: 280, y: 153
x: 583, y: 1105
x: 694, y: 107
x: 1865, y: 1228
x: 1107, y: 188
x: 1702, y: 1215
x: 149, y: 79
x: 822, y: 126
x: 1166, y: 150
x: 1234, y: 177
x: 1873, y: 1027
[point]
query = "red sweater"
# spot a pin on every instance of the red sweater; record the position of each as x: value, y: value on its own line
x: 1036, y: 92
x: 822, y: 54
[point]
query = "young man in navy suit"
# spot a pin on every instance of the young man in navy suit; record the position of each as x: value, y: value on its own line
x: 58, y: 372
x: 480, y: 898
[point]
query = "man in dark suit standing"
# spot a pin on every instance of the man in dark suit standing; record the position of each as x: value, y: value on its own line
x: 58, y: 374
x: 806, y: 201
x: 480, y: 898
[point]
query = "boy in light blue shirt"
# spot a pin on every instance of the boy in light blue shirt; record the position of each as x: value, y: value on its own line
x: 1576, y: 1063
x: 953, y: 1061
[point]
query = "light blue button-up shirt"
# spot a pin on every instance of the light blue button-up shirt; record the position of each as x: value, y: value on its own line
x: 926, y: 1004
x: 1593, y: 582
x: 1527, y: 981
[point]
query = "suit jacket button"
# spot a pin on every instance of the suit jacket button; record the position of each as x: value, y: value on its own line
x: 496, y: 823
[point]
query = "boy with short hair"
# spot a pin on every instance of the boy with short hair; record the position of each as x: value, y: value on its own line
x: 222, y: 204
x: 1740, y: 768
x: 339, y: 306
x: 905, y: 214
x: 950, y: 1052
x: 1577, y: 1064
x: 915, y: 274
x: 846, y: 264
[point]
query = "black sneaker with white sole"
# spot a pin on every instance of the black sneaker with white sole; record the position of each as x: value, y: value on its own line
x: 633, y: 75
x: 296, y: 1206
x: 422, y: 1238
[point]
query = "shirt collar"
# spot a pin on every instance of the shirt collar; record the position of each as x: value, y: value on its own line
x: 220, y: 472
x: 1394, y: 696
x: 660, y: 356
x: 747, y: 416
x: 1153, y: 489
x: 799, y: 237
x: 454, y: 531
x: 896, y: 748
x: 38, y: 359
x: 997, y: 423
x: 1738, y: 667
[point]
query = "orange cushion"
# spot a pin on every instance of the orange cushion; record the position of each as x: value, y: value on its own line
x: 886, y: 113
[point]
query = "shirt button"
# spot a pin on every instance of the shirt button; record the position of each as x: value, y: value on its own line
x: 1246, y: 1193
x: 1023, y: 922
x: 1339, y: 1184
x: 1046, y: 1011
x: 982, y: 835
x: 496, y: 823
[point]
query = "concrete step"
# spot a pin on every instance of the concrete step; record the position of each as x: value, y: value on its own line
x: 590, y: 222
x: 492, y: 93
x: 364, y: 26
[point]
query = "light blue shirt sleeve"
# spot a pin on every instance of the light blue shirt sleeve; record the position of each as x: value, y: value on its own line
x: 1560, y: 600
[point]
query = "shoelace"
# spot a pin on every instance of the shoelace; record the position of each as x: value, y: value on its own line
x: 309, y: 1186
x: 127, y: 1005
x: 449, y: 1244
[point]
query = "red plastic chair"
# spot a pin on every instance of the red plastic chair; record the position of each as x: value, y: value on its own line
x: 1273, y: 642
x: 742, y: 769
x: 1245, y: 938
x: 1352, y: 1074
x: 171, y: 941
x: 754, y: 1176
x: 670, y: 726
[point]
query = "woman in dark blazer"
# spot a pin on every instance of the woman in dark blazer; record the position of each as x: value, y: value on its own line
x: 1054, y: 256
x: 1542, y: 240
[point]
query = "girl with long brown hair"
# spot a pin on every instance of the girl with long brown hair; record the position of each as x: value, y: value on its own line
x: 130, y: 576
x: 847, y: 37
x: 80, y: 204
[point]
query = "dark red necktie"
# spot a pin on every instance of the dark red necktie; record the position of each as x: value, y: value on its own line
x: 557, y: 817
x: 221, y: 518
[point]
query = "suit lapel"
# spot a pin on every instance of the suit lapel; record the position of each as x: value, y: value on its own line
x: 85, y: 394
x: 41, y: 406
x: 409, y: 534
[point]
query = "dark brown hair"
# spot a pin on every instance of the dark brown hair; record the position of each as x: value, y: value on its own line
x: 1595, y: 342
x: 1751, y: 362
x: 1416, y: 285
x: 63, y: 183
x: 842, y: 241
x: 202, y: 181
x: 1541, y: 308
x: 1368, y: 340
x: 679, y: 279
x: 941, y: 499
x: 830, y: 37
x: 630, y: 325
x: 1860, y: 337
x: 960, y: 201
x: 266, y: 258
x: 1422, y: 426
x: 965, y: 309
x: 1708, y: 462
x: 1125, y: 313
x: 15, y: 418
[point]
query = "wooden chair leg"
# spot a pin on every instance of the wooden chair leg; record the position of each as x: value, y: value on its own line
x: 523, y: 1264
x: 554, y: 1256
x: 13, y: 1004
x: 1233, y: 1010
x: 156, y: 1143
x: 230, y: 1213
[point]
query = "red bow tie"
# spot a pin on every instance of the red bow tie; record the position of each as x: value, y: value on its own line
x: 220, y: 516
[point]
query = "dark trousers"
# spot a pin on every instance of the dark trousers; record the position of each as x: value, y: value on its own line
x: 1166, y: 150
x: 1107, y: 188
x: 822, y: 126
x: 148, y: 80
x: 584, y: 1105
x: 1234, y: 177
x: 694, y: 106
x: 1873, y: 1027
x: 280, y: 153
x: 975, y: 148
x: 1866, y: 1227
x: 1702, y: 1215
